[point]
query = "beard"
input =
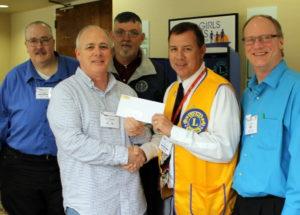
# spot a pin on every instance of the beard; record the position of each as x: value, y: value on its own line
x: 127, y: 51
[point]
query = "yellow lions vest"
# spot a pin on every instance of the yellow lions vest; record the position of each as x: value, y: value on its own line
x: 200, y: 187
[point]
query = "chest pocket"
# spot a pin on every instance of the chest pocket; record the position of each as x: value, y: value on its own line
x: 269, y: 133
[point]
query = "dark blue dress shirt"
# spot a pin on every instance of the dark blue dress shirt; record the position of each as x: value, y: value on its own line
x: 23, y: 121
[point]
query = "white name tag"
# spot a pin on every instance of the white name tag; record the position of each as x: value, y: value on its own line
x: 165, y: 145
x: 109, y: 120
x: 43, y: 92
x: 251, y: 124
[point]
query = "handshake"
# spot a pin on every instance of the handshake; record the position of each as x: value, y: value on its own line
x: 136, y: 156
x: 136, y: 159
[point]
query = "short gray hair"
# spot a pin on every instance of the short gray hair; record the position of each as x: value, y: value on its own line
x: 271, y: 19
x: 84, y: 29
x: 39, y: 23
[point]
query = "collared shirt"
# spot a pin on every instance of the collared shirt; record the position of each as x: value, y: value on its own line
x: 126, y: 71
x: 219, y: 142
x: 89, y: 155
x: 23, y: 122
x: 269, y: 158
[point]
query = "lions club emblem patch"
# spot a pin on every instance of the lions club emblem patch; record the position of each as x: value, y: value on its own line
x: 194, y: 119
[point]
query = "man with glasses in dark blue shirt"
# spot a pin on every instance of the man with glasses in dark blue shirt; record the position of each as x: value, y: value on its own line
x: 29, y: 170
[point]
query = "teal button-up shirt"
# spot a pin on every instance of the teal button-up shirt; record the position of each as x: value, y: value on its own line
x: 269, y: 158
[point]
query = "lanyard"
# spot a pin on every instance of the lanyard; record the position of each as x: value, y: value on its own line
x: 187, y: 94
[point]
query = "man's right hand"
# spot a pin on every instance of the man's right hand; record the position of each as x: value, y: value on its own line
x: 136, y: 159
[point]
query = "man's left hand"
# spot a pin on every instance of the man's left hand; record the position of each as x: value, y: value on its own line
x: 133, y: 127
x: 162, y: 124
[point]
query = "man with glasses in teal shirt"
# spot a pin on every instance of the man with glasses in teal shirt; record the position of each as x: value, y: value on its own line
x: 30, y: 175
x: 267, y: 178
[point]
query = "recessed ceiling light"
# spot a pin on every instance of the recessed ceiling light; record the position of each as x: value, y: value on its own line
x: 3, y: 6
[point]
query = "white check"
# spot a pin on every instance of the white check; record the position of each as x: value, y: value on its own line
x: 140, y: 109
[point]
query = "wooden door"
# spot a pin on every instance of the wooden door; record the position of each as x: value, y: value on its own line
x: 70, y: 21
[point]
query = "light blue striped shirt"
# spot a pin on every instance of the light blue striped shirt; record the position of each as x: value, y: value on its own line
x: 89, y: 155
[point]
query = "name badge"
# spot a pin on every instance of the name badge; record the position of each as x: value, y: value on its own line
x: 109, y: 120
x: 165, y: 145
x: 43, y: 92
x: 251, y: 124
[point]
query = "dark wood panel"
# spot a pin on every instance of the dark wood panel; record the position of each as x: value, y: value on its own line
x: 70, y: 21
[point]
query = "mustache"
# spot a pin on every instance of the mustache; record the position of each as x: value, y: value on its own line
x: 40, y: 51
x: 126, y: 44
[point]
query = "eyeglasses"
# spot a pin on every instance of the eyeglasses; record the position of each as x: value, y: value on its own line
x: 45, y: 41
x: 132, y: 33
x: 266, y: 38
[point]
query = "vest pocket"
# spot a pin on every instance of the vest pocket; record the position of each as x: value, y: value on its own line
x: 207, y: 200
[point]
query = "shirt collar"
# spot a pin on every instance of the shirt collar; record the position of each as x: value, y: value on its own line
x: 135, y: 63
x: 188, y: 82
x: 89, y: 82
x: 126, y: 71
x: 273, y: 78
x: 31, y: 73
x: 146, y: 67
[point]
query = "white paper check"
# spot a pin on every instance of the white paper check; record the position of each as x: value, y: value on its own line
x: 140, y: 109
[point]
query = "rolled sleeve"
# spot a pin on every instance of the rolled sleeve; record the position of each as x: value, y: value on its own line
x: 220, y: 141
x: 151, y: 148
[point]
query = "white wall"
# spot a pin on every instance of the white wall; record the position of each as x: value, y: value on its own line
x: 19, y: 21
x: 12, y: 39
x: 4, y: 44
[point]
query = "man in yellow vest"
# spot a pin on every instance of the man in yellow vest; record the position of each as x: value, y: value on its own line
x: 198, y: 133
